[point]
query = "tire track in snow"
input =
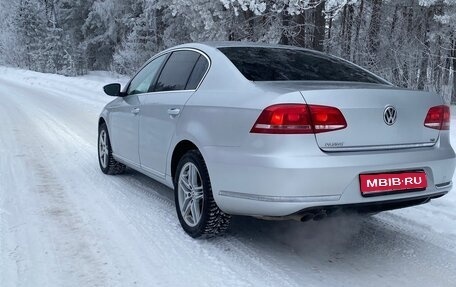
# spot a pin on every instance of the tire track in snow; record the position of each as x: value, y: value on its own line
x: 65, y: 230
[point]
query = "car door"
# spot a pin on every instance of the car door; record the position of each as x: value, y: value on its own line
x: 124, y: 117
x: 160, y: 109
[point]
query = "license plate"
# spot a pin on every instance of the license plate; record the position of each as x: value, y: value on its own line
x: 383, y: 183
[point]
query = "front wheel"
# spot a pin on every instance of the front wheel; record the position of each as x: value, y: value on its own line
x: 107, y: 162
x: 196, y: 209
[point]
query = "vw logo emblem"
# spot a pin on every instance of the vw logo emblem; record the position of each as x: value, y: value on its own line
x: 390, y: 115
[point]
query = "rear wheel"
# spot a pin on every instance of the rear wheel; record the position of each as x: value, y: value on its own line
x: 196, y: 209
x: 107, y: 162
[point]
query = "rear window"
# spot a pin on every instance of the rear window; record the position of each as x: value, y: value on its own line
x: 280, y: 64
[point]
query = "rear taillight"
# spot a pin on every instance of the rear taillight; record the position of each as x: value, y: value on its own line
x: 438, y: 118
x: 326, y: 119
x: 299, y: 119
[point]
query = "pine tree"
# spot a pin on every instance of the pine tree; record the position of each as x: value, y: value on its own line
x: 30, y: 28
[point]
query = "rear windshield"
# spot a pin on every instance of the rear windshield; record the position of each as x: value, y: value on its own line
x: 280, y: 64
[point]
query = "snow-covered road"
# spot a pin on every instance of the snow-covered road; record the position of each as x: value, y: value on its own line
x: 64, y: 223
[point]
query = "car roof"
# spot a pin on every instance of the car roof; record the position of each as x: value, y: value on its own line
x: 238, y: 44
x: 241, y: 44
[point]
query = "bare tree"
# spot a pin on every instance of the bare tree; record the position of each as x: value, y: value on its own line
x: 422, y: 77
x: 453, y: 59
x: 320, y: 24
x: 374, y: 29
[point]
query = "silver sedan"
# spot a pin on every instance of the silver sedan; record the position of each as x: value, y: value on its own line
x: 275, y: 132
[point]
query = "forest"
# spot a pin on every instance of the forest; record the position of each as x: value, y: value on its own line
x: 411, y: 43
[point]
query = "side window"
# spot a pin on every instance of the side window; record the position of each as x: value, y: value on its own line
x: 198, y: 73
x: 176, y: 71
x: 142, y: 81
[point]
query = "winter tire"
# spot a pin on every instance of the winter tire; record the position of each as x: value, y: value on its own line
x: 107, y: 162
x: 196, y: 209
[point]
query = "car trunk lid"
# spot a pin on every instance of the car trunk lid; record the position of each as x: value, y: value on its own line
x: 377, y: 118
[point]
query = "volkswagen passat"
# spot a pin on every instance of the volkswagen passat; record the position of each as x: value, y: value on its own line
x: 274, y: 132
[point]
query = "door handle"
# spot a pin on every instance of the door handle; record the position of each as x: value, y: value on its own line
x: 135, y: 111
x: 174, y: 112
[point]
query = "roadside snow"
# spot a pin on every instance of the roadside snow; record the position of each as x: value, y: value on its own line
x: 64, y: 223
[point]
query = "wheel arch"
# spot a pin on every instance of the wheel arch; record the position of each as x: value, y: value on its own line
x: 101, y: 121
x: 179, y: 150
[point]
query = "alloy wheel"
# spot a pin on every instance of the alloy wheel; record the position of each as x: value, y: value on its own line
x: 190, y: 194
x: 103, y: 152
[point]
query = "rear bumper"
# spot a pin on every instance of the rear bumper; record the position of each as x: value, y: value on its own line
x: 282, y: 185
x: 318, y: 212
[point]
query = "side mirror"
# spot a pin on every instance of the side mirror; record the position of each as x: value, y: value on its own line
x: 113, y: 90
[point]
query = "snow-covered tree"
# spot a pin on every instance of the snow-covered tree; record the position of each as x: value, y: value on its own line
x: 409, y: 42
x: 30, y: 28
